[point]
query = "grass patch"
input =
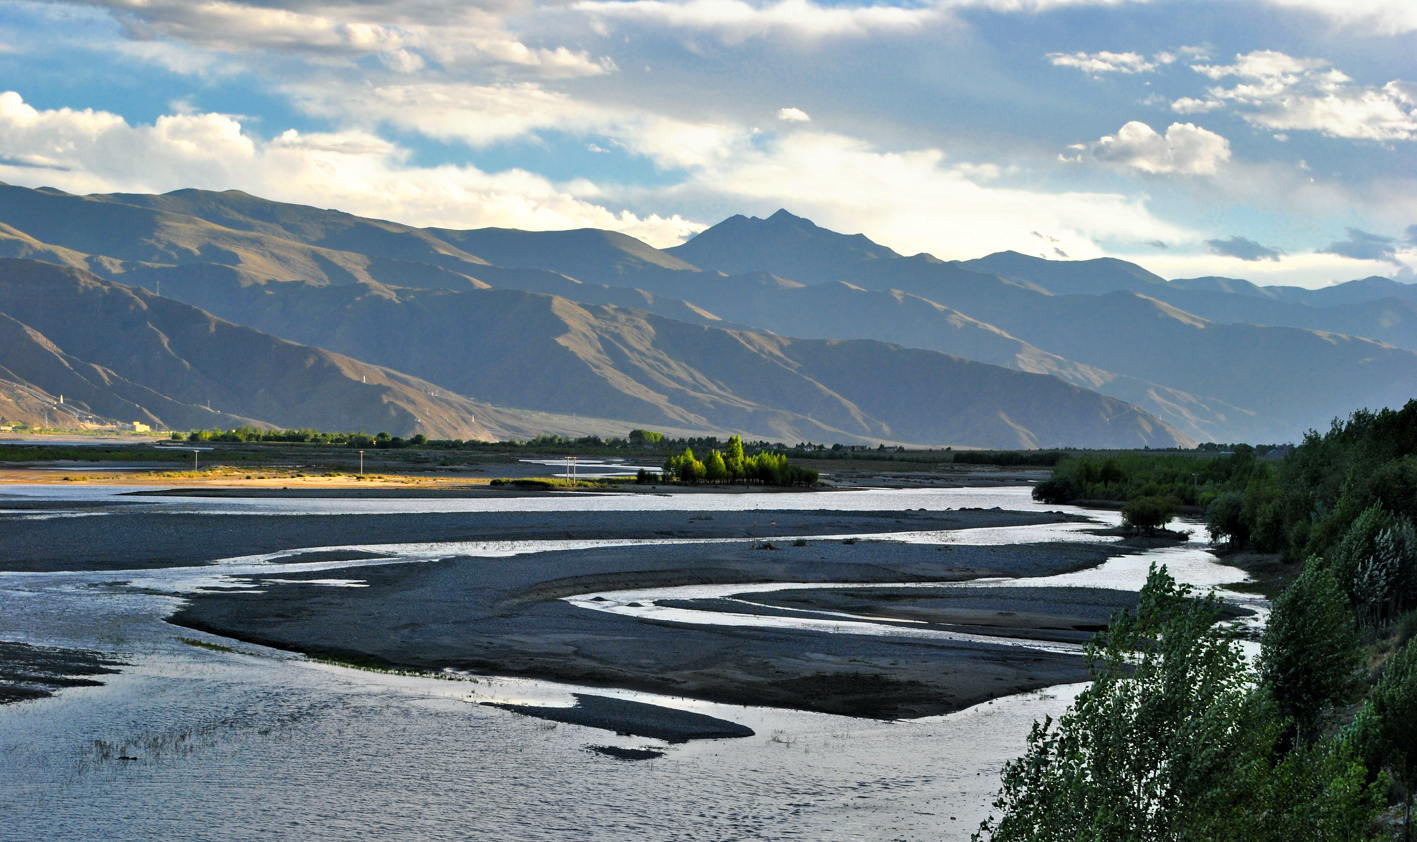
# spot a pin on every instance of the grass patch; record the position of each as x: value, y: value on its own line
x: 212, y: 647
x: 371, y: 666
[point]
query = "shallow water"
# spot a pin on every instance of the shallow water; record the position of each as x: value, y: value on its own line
x: 874, y: 499
x: 259, y: 743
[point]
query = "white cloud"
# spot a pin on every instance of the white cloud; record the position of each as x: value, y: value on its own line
x: 1310, y: 270
x: 917, y: 201
x: 479, y: 115
x: 1387, y: 17
x: 1279, y: 92
x: 1186, y: 105
x: 91, y: 151
x: 793, y: 115
x: 1105, y: 62
x: 734, y: 21
x: 1185, y: 148
x: 403, y: 34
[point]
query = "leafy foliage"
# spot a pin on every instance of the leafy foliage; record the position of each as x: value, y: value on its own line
x: 1172, y: 742
x: 1312, y: 653
x: 767, y: 467
x: 1149, y: 513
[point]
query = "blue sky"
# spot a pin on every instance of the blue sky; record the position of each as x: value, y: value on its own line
x: 1275, y: 141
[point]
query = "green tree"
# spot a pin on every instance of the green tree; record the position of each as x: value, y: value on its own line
x: 1056, y: 490
x: 1149, y: 513
x: 1312, y: 652
x: 645, y: 438
x: 733, y: 458
x: 1386, y: 728
x: 1225, y: 517
x: 1148, y: 751
x: 1172, y: 743
x: 714, y: 468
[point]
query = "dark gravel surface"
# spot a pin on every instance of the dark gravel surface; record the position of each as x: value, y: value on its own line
x: 506, y: 617
x: 128, y: 536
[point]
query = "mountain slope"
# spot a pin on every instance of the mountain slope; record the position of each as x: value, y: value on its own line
x: 587, y: 254
x: 547, y: 353
x: 843, y: 311
x: 168, y: 359
x: 1067, y: 277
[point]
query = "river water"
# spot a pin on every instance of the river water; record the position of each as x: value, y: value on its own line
x: 255, y: 743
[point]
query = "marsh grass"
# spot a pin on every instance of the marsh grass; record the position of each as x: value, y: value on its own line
x: 368, y: 666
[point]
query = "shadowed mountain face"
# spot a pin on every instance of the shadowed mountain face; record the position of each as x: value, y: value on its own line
x: 551, y: 354
x: 452, y: 308
x: 1068, y: 277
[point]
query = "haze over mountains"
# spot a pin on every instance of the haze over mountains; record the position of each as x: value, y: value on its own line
x: 294, y: 316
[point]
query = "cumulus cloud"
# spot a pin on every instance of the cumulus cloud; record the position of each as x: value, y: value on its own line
x: 1105, y: 62
x: 793, y: 115
x: 1243, y: 248
x: 1187, y: 105
x: 89, y: 151
x: 1185, y: 148
x: 1283, y: 93
x: 1361, y: 245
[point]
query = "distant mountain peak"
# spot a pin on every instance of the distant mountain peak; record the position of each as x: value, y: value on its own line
x: 784, y: 244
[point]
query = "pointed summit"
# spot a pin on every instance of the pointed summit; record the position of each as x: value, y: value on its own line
x: 783, y: 244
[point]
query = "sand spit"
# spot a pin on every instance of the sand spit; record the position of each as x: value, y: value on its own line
x: 635, y: 719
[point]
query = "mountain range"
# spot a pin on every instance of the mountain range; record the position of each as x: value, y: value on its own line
x: 199, y: 309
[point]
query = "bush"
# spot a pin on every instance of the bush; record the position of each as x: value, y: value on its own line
x: 1056, y: 490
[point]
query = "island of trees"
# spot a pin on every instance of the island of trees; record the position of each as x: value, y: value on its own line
x: 731, y: 465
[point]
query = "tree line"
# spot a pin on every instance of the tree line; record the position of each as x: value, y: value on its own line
x: 1179, y: 736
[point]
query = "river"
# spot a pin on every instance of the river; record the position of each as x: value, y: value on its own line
x: 255, y: 743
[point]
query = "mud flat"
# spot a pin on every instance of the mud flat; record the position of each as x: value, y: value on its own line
x: 34, y: 672
x: 509, y: 617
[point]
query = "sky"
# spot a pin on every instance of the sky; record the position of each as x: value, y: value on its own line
x: 1274, y: 141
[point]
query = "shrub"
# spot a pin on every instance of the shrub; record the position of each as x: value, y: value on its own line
x: 1056, y: 490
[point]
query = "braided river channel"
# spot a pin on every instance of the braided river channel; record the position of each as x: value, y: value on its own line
x: 194, y: 735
